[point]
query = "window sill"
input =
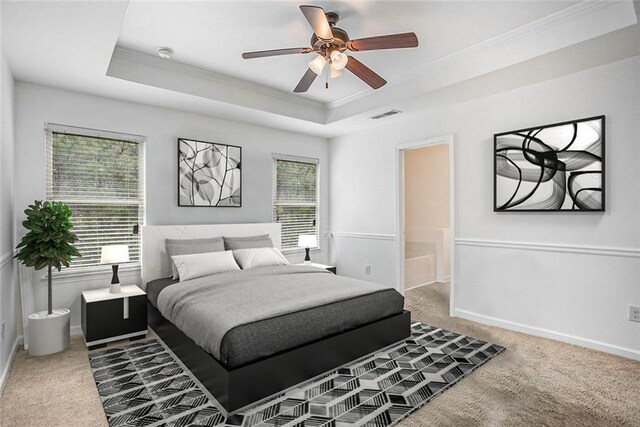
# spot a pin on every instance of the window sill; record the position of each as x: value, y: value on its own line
x: 77, y: 275
x: 299, y: 250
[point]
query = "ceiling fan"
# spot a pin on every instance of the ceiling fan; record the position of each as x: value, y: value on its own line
x: 330, y: 43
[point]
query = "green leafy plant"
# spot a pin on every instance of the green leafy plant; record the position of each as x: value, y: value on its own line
x: 49, y: 241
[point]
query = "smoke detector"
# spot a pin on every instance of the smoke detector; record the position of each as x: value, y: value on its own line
x: 165, y: 52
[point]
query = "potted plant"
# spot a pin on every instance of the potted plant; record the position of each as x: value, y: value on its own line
x: 48, y: 243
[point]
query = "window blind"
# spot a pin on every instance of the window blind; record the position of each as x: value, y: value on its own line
x: 295, y: 198
x: 100, y: 175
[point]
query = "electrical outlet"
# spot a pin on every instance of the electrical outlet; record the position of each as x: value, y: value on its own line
x: 634, y: 313
x: 367, y: 270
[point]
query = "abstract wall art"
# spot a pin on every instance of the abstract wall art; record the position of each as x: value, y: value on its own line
x: 558, y: 167
x: 209, y: 174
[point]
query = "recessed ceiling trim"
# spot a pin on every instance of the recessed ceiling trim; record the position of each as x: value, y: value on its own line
x: 144, y: 69
x: 174, y: 66
x: 562, y: 17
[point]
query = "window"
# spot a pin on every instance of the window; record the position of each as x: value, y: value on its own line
x: 295, y: 198
x: 100, y: 175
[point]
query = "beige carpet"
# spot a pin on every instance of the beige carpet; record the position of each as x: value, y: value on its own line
x: 536, y: 382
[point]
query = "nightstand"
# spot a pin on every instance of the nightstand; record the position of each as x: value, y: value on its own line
x: 110, y: 317
x: 331, y: 268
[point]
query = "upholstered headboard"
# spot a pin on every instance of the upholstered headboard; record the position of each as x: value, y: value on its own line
x: 155, y: 261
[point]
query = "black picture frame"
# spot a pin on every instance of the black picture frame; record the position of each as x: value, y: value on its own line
x: 593, y: 151
x: 207, y: 188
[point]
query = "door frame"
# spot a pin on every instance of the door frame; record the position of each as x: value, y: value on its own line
x: 400, y: 211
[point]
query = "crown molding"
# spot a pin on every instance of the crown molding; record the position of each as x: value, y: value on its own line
x: 575, y: 24
x: 531, y: 29
x: 120, y: 52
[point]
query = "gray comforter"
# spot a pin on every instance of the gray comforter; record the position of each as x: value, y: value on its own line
x: 207, y: 308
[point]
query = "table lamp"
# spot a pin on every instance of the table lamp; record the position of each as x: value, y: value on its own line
x: 114, y: 255
x: 307, y: 241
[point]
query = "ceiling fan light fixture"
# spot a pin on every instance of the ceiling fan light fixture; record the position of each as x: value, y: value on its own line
x: 317, y: 64
x: 331, y: 43
x: 338, y: 60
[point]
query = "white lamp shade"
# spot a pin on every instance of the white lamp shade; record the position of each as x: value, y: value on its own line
x: 307, y: 241
x: 317, y: 64
x: 339, y: 60
x: 333, y: 73
x: 114, y: 254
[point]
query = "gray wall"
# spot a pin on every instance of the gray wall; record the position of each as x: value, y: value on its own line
x: 37, y: 105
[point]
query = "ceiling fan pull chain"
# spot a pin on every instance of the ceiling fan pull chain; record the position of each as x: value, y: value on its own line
x: 326, y: 77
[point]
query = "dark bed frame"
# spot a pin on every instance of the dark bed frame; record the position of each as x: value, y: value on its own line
x: 238, y: 387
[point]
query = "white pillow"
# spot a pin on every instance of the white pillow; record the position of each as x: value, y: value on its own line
x: 259, y: 257
x: 192, y: 266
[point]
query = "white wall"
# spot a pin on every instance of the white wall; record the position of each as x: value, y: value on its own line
x: 581, y: 297
x: 9, y: 295
x: 37, y: 105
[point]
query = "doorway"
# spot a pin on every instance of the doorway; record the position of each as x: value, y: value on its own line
x: 425, y: 213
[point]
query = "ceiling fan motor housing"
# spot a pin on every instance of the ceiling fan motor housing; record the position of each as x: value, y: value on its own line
x: 340, y: 37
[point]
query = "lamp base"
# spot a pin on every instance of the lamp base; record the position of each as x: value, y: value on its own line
x: 307, y: 258
x: 115, y: 281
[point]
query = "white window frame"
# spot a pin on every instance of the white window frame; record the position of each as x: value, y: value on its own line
x: 301, y: 159
x: 50, y: 128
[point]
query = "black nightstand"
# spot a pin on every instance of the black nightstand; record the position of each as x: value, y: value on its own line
x: 331, y: 268
x: 110, y: 317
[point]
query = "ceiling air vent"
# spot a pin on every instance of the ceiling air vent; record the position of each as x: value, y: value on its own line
x: 387, y: 114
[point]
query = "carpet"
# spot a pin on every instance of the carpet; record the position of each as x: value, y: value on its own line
x: 145, y: 385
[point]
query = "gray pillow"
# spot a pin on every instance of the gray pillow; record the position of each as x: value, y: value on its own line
x: 191, y: 246
x: 262, y: 241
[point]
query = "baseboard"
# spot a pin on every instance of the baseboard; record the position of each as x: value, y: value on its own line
x: 443, y: 279
x: 76, y: 330
x: 422, y: 284
x: 546, y: 333
x: 7, y: 366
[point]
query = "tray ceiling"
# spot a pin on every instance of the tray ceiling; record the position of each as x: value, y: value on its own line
x: 213, y: 35
x: 467, y: 49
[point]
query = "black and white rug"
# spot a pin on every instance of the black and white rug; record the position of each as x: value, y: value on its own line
x: 145, y: 385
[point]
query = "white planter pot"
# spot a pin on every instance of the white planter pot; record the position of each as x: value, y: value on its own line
x: 49, y: 333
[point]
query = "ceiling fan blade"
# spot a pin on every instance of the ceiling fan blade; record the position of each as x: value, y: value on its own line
x: 276, y: 52
x: 306, y: 81
x: 392, y: 41
x: 365, y: 73
x: 318, y: 21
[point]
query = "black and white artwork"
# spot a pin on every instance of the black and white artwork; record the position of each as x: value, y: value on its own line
x: 558, y: 167
x: 209, y: 174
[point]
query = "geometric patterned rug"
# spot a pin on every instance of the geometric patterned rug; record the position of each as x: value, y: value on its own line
x: 144, y: 384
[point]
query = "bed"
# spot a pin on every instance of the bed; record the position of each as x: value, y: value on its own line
x: 248, y: 334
